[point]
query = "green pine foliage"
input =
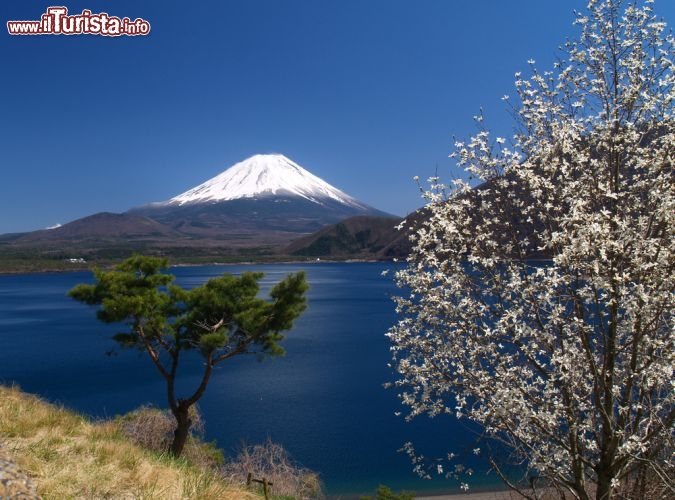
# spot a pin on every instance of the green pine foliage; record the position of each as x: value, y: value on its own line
x: 222, y: 318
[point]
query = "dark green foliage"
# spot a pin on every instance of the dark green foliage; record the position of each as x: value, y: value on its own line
x: 358, y: 237
x: 322, y: 246
x: 385, y: 493
x: 222, y: 318
x: 342, y: 242
x: 224, y: 313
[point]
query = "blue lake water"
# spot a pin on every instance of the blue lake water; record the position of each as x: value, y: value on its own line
x: 323, y: 401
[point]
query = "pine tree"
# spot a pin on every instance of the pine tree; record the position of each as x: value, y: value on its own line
x: 221, y: 319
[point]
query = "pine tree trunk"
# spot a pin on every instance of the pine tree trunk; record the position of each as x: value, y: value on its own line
x: 182, y: 431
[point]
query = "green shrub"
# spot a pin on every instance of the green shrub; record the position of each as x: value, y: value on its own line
x: 385, y: 493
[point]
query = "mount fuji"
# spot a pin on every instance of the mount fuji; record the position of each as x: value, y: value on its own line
x: 255, y: 209
x: 264, y: 176
x: 266, y: 198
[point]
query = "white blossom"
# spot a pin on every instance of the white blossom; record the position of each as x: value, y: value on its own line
x: 570, y: 359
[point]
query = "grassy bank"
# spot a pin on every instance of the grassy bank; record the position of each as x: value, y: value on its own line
x: 68, y: 456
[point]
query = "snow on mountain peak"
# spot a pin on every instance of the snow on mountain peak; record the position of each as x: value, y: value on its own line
x: 264, y: 175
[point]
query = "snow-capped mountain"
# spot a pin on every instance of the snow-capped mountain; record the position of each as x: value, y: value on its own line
x: 264, y: 175
x: 255, y: 208
x: 264, y: 198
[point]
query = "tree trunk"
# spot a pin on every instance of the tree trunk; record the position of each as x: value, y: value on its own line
x: 181, y: 408
x: 604, y: 490
x: 182, y: 431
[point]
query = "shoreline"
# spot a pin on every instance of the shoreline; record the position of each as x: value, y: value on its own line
x: 482, y: 495
x: 491, y: 494
x: 107, y: 265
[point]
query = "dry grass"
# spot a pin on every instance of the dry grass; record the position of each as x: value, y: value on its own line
x: 271, y: 462
x: 152, y: 429
x: 68, y: 457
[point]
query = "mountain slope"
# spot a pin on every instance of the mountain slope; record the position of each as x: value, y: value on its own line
x: 103, y: 225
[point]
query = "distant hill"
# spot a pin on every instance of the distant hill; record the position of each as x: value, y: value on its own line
x: 357, y: 237
x: 102, y: 227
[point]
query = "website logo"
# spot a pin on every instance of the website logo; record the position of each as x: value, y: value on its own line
x: 56, y: 21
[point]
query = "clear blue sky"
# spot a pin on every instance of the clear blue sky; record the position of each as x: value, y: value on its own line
x: 364, y: 93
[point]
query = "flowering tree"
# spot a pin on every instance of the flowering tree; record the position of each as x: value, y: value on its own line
x: 566, y: 360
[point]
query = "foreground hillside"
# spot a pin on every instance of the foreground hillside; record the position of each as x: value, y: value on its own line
x: 67, y: 456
